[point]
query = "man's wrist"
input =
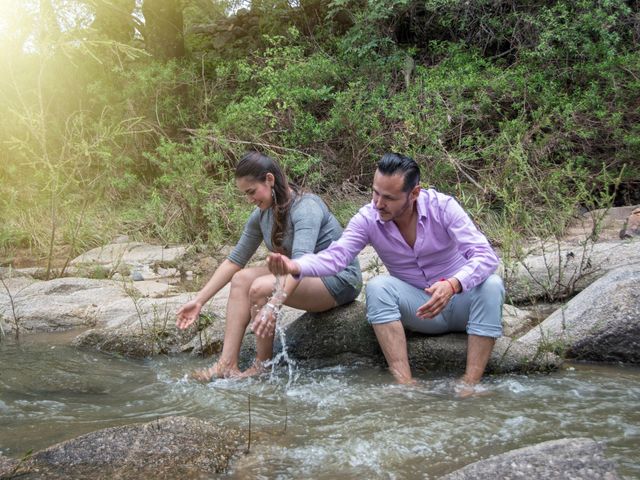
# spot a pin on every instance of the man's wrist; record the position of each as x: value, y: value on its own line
x: 454, y: 283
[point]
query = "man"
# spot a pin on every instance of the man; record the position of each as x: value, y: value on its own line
x: 441, y: 268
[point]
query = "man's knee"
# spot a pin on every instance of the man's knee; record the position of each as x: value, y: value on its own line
x: 492, y: 289
x: 379, y: 285
x: 382, y: 300
x: 486, y: 308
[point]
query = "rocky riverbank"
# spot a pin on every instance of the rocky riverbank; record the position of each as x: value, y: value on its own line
x: 594, y: 312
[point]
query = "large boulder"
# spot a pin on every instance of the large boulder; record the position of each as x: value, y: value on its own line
x: 602, y: 323
x: 121, y: 320
x: 65, y: 303
x: 172, y: 447
x: 565, y: 268
x: 344, y: 330
x: 569, y: 458
x: 121, y: 317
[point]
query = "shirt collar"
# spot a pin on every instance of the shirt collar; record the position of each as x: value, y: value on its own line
x: 421, y: 204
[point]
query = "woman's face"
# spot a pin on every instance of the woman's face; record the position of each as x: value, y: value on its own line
x: 257, y: 192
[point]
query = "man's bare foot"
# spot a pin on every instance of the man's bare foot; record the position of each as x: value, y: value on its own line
x: 406, y: 381
x: 214, y: 371
x: 463, y: 389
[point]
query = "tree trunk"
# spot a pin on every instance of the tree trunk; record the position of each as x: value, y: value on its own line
x: 114, y: 19
x: 163, y: 32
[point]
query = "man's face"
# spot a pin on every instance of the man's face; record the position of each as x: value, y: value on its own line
x: 389, y: 199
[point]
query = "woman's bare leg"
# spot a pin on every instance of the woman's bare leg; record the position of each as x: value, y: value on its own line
x: 238, y: 317
x: 311, y: 295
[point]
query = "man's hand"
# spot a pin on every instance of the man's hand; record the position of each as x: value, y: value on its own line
x: 187, y: 314
x: 441, y: 292
x: 264, y: 323
x: 281, y: 264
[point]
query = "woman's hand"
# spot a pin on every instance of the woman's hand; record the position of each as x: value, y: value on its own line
x: 264, y: 323
x: 282, y: 265
x: 187, y: 314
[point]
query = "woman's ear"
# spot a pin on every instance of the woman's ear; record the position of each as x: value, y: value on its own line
x: 270, y: 179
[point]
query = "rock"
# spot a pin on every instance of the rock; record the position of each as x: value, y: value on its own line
x: 148, y: 327
x: 153, y: 289
x: 516, y: 321
x: 208, y: 341
x: 10, y: 272
x: 123, y: 321
x: 65, y: 303
x: 609, y: 222
x: 137, y: 276
x: 340, y: 330
x: 569, y: 458
x: 171, y: 447
x: 344, y: 330
x: 566, y: 269
x: 371, y: 265
x: 121, y: 239
x: 631, y: 227
x: 116, y: 255
x: 7, y: 466
x: 602, y: 323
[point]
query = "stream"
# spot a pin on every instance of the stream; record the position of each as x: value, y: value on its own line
x: 347, y: 421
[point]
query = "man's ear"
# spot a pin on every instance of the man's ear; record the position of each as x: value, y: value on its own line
x: 415, y: 192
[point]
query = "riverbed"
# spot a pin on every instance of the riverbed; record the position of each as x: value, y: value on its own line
x: 347, y: 421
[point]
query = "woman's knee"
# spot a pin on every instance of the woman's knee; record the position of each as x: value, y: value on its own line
x: 260, y: 289
x: 242, y: 280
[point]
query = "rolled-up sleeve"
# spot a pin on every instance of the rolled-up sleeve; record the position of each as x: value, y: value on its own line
x: 482, y: 261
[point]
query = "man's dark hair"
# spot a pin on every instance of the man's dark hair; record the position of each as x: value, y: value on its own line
x: 393, y: 163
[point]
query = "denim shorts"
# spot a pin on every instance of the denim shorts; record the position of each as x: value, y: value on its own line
x: 345, y: 286
x: 477, y: 311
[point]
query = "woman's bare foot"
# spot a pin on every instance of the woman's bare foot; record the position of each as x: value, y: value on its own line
x: 257, y: 368
x: 214, y: 371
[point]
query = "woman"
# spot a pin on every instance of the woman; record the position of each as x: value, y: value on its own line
x: 288, y: 222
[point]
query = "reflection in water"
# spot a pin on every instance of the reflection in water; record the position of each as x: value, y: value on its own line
x: 345, y: 421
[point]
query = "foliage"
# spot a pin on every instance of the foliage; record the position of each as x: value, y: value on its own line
x: 526, y: 111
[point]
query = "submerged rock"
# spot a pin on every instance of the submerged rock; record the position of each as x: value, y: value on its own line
x: 569, y: 458
x: 602, y: 323
x: 172, y: 447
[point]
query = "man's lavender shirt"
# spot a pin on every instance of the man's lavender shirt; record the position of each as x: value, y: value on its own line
x: 447, y: 244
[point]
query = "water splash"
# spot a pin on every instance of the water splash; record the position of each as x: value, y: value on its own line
x: 272, y: 306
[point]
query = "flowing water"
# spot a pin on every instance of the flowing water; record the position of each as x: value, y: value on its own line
x: 345, y: 421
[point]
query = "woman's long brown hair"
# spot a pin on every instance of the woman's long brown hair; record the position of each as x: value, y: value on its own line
x: 256, y: 165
